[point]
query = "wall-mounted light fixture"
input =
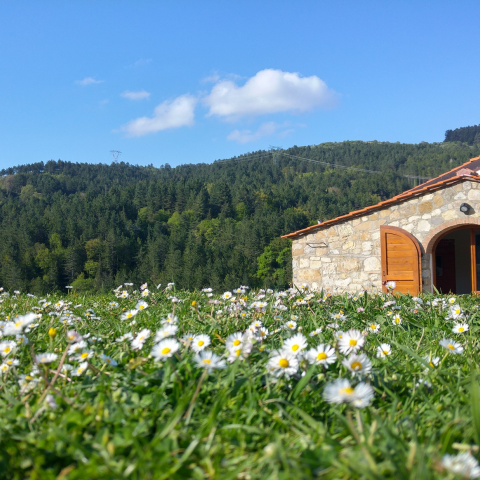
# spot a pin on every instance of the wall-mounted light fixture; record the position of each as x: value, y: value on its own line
x: 465, y: 207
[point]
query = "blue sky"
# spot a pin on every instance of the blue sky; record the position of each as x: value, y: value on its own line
x: 188, y: 82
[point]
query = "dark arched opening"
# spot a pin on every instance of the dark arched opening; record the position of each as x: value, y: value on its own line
x: 456, y: 260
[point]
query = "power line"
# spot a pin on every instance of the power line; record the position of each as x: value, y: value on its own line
x: 327, y: 164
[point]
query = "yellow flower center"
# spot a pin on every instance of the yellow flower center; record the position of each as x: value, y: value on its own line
x: 352, y: 342
x: 166, y: 351
x: 321, y: 356
x: 348, y: 390
x: 283, y: 363
x: 356, y: 366
x: 236, y: 342
x: 201, y: 343
x: 207, y: 360
x: 295, y: 348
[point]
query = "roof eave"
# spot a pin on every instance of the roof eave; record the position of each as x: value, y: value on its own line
x: 379, y: 206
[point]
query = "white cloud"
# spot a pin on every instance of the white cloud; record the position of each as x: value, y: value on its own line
x: 269, y: 128
x: 212, y: 78
x: 140, y: 63
x: 169, y: 114
x: 88, y: 81
x: 140, y: 95
x: 269, y: 91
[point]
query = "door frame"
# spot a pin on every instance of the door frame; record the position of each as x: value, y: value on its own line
x: 473, y: 254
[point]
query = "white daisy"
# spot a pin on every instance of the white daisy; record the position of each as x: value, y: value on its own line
x: 165, y: 349
x: 166, y: 331
x: 77, y: 347
x: 141, y: 305
x: 126, y: 337
x: 85, y: 355
x: 77, y: 371
x: 462, y: 464
x: 295, y: 344
x: 339, y: 334
x: 358, y: 364
x: 456, y: 311
x: 240, y: 351
x: 391, y: 285
x: 384, y: 350
x: 281, y: 363
x: 108, y: 360
x: 432, y: 361
x: 209, y: 360
x: 234, y: 340
x: 374, y: 328
x: 321, y: 355
x: 451, y: 346
x: 460, y: 328
x: 200, y: 342
x: 140, y: 339
x: 46, y: 357
x: 170, y: 319
x: 291, y: 325
x: 397, y: 319
x: 7, y: 348
x: 351, y: 341
x: 340, y: 391
x: 129, y: 314
x: 262, y: 333
x: 12, y: 362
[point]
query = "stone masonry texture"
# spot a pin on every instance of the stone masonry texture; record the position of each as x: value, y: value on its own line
x: 346, y: 257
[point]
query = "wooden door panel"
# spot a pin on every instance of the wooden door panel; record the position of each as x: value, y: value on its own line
x: 401, y: 255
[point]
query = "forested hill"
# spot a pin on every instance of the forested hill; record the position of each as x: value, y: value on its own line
x: 469, y: 135
x: 97, y: 226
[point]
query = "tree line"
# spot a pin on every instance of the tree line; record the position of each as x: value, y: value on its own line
x: 94, y: 227
x: 469, y: 135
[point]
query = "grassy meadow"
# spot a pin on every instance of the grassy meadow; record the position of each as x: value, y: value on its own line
x: 154, y: 383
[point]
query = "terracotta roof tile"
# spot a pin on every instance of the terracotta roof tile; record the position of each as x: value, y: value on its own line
x: 467, y: 171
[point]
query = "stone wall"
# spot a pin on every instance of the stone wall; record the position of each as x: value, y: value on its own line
x: 346, y: 257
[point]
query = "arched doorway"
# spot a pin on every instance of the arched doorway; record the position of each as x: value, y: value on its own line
x: 456, y: 260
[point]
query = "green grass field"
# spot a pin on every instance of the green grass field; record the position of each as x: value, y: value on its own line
x: 111, y: 404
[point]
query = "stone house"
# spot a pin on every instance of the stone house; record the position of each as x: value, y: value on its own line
x: 426, y: 237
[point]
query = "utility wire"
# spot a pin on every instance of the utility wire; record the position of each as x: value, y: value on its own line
x: 332, y: 165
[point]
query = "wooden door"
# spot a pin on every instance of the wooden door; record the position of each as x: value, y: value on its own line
x: 446, y: 279
x: 401, y: 262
